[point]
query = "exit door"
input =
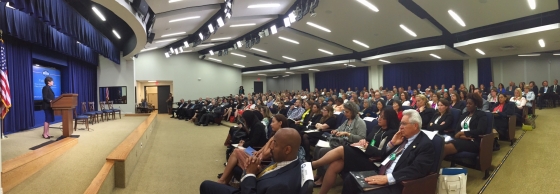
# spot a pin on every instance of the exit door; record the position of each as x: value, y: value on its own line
x: 258, y: 87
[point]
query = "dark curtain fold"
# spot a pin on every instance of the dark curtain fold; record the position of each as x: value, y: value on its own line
x: 82, y: 80
x: 305, y: 82
x: 426, y: 73
x: 20, y: 75
x: 484, y: 71
x: 343, y: 78
x: 56, y: 25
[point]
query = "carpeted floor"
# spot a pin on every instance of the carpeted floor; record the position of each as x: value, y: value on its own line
x: 74, y: 170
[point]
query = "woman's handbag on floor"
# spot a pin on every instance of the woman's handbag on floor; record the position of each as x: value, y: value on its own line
x: 452, y: 181
x: 529, y: 123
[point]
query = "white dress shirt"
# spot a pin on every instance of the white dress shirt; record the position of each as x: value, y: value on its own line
x: 390, y: 169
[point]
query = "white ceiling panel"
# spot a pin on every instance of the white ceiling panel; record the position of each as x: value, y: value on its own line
x: 478, y: 13
x: 240, y: 7
x: 249, y: 60
x: 160, y: 6
x: 350, y: 20
x: 416, y: 55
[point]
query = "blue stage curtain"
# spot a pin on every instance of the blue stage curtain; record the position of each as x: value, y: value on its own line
x: 305, y: 82
x: 484, y: 71
x: 343, y: 78
x: 82, y: 80
x: 20, y: 75
x: 55, y: 25
x: 426, y: 73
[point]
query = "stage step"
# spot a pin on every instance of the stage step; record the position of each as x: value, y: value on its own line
x: 16, y: 170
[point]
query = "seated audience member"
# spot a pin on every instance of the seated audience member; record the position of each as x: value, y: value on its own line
x: 270, y: 102
x: 239, y: 156
x: 350, y: 158
x: 529, y: 97
x: 368, y: 110
x: 463, y: 96
x: 326, y: 123
x: 442, y: 120
x: 501, y: 111
x: 210, y: 115
x: 229, y: 108
x: 206, y: 108
x: 380, y: 105
x: 282, y: 109
x: 251, y: 124
x: 446, y: 96
x: 180, y: 105
x: 472, y: 87
x: 520, y: 103
x: 456, y: 102
x: 352, y: 130
x: 501, y: 89
x: 485, y: 104
x: 267, y: 118
x: 435, y: 100
x: 144, y: 104
x: 493, y: 96
x: 409, y: 156
x: 471, y: 126
x: 544, y: 94
x: 510, y: 89
x: 397, y: 106
x: 338, y: 107
x: 425, y: 110
x: 296, y: 111
x: 484, y: 92
x: 282, y: 176
x: 534, y: 87
x: 301, y: 124
x: 404, y: 99
x: 555, y: 91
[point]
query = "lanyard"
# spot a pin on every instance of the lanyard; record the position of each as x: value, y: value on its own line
x: 466, y: 122
x: 375, y: 136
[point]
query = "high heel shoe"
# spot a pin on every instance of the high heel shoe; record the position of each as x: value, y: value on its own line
x: 47, y: 137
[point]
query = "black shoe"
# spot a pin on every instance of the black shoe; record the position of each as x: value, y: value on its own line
x: 220, y: 175
x: 197, y: 124
x: 172, y: 117
x: 205, y: 125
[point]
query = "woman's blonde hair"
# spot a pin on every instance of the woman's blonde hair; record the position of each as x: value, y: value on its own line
x: 425, y: 99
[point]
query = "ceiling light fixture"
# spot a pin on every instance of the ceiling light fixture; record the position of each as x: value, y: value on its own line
x: 148, y: 49
x: 183, y: 19
x: 384, y: 61
x: 351, y: 66
x: 480, y: 51
x: 167, y: 55
x: 263, y: 5
x: 290, y: 72
x: 541, y: 43
x: 313, y: 70
x: 530, y: 55
x: 239, y: 65
x: 289, y: 40
x: 218, y: 60
x: 238, y: 55
x: 556, y: 54
x: 165, y: 40
x: 289, y: 58
x: 116, y: 34
x: 273, y: 29
x: 224, y: 38
x: 532, y: 4
x: 211, y: 28
x: 265, y: 62
x: 173, y: 34
x: 435, y: 56
x: 456, y: 18
x: 325, y: 51
x: 287, y: 22
x: 260, y: 50
x: 286, y: 76
x: 408, y: 30
x: 318, y: 27
x: 242, y: 25
x: 201, y: 36
x: 173, y: 1
x: 99, y: 14
x: 220, y: 22
x: 211, y: 52
x: 360, y: 43
x: 186, y: 43
x: 176, y: 51
x: 292, y: 17
x: 206, y: 45
x: 368, y: 5
x: 262, y: 74
x: 152, y: 81
x: 181, y: 50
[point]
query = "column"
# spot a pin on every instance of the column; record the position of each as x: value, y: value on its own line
x: 312, y: 82
x: 375, y: 76
x: 470, y: 72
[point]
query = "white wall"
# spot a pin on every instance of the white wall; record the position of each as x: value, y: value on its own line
x: 184, y: 70
x: 525, y: 69
x: 111, y: 74
x: 248, y: 83
x: 292, y: 82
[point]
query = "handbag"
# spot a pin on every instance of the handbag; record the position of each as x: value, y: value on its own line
x: 452, y: 183
x: 334, y: 142
x: 238, y: 135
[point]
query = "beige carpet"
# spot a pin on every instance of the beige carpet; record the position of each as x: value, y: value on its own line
x: 74, y: 170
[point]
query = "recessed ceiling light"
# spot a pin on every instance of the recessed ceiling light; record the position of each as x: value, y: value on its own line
x: 116, y: 34
x: 273, y: 29
x: 456, y: 18
x: 167, y: 55
x: 384, y: 61
x: 211, y: 52
x: 285, y: 75
x: 173, y: 34
x: 289, y: 58
x: 289, y: 40
x: 556, y: 54
x: 220, y: 22
x: 287, y: 22
x: 242, y: 25
x: 152, y: 81
x: 238, y: 55
x: 328, y: 52
x: 265, y: 62
x: 183, y: 19
x: 290, y: 72
x: 263, y: 5
x: 239, y: 65
x: 351, y: 66
x: 168, y: 40
x: 318, y: 27
x: 433, y: 55
x: 480, y: 51
x: 275, y: 77
x: 173, y: 1
x: 148, y: 49
x: 530, y: 55
x: 224, y: 38
x: 360, y: 43
x: 218, y: 60
x: 260, y: 50
x: 541, y: 42
x: 313, y: 70
x: 211, y: 28
x: 408, y: 30
x: 206, y: 45
x: 368, y: 5
x: 99, y: 14
x: 532, y: 4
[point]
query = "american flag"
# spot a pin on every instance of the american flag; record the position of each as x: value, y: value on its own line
x: 5, y: 85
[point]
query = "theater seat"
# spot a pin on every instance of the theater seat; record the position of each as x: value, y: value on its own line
x: 456, y: 113
x: 427, y: 184
x: 340, y: 118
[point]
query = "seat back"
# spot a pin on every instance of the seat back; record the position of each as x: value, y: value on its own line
x: 370, y: 125
x: 110, y: 105
x: 84, y: 108
x: 456, y: 113
x: 102, y: 105
x: 438, y: 141
x: 407, y: 107
x: 490, y: 122
x: 340, y: 118
x: 91, y: 106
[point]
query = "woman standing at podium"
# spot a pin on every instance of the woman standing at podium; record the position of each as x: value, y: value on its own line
x: 48, y: 97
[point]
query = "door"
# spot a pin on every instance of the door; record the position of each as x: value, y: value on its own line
x: 153, y: 100
x: 258, y: 87
x: 163, y: 95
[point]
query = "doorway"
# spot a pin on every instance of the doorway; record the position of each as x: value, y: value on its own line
x: 258, y: 87
x: 151, y: 93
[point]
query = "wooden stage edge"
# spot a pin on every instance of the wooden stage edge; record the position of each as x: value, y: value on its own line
x: 15, y: 171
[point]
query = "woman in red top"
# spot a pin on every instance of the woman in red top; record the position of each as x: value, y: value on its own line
x: 501, y: 111
x: 397, y: 106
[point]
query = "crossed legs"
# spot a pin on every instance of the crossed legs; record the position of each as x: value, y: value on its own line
x: 335, y: 160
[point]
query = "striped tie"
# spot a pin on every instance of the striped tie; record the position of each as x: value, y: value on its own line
x: 269, y: 168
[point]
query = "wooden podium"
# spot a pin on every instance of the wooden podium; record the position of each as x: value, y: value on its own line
x: 64, y: 105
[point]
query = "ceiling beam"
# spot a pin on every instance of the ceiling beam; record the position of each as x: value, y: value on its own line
x: 189, y: 9
x: 313, y: 37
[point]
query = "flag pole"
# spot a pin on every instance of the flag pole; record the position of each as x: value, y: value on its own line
x: 2, y: 125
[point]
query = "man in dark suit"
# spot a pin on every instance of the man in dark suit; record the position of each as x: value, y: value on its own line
x: 409, y: 155
x: 511, y: 88
x: 555, y: 91
x: 281, y: 177
x: 180, y: 106
x: 544, y: 94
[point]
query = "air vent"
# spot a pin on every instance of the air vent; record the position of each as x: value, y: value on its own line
x: 508, y: 48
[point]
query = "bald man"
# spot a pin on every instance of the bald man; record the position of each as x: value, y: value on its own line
x: 281, y: 177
